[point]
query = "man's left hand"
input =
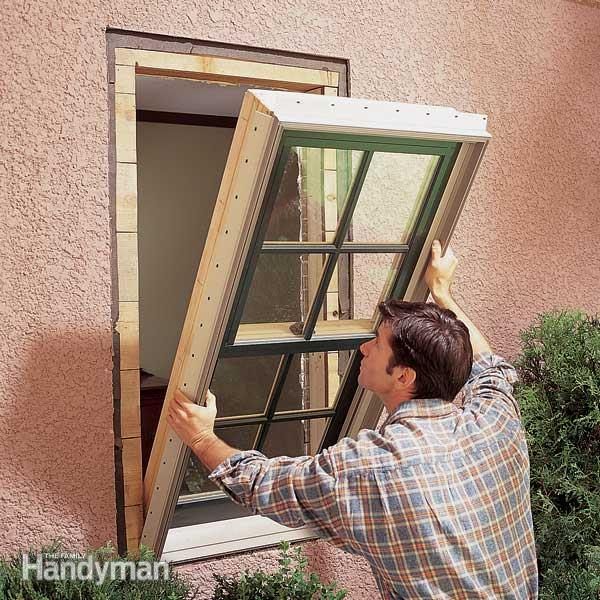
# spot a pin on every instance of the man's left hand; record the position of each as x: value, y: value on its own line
x: 191, y: 422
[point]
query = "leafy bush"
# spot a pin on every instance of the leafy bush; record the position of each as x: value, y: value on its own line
x: 14, y: 587
x: 290, y: 582
x: 559, y: 396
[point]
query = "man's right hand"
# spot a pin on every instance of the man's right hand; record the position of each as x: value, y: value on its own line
x: 440, y: 271
x: 439, y: 277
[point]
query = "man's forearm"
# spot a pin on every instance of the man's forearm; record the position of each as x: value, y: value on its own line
x: 212, y: 451
x: 478, y: 342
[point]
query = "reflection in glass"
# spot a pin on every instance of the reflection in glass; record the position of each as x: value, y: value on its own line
x: 242, y: 385
x: 313, y: 191
x: 196, y: 479
x: 371, y: 276
x: 396, y: 184
x: 295, y: 438
x: 282, y: 288
x: 294, y: 387
x: 312, y: 381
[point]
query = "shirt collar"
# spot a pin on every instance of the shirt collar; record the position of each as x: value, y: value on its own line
x: 420, y: 407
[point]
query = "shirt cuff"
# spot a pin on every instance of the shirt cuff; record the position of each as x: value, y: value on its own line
x: 236, y: 475
x: 488, y: 360
x: 229, y: 465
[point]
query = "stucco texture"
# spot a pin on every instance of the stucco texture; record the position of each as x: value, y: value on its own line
x: 527, y: 239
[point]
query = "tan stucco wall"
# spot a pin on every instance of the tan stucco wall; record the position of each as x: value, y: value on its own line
x: 527, y: 238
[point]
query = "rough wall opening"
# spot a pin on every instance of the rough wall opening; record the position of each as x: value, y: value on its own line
x: 174, y: 102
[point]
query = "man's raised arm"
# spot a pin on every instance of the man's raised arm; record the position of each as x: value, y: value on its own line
x: 439, y: 277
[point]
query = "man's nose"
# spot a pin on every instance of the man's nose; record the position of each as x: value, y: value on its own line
x: 363, y: 348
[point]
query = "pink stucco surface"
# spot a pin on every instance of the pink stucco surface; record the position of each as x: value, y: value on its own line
x: 527, y: 239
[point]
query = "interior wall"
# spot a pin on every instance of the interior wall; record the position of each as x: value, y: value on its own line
x: 179, y: 173
x: 526, y: 239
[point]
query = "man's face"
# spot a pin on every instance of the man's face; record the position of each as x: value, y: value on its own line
x: 377, y: 354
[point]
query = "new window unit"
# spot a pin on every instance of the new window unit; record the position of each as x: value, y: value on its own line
x: 327, y: 205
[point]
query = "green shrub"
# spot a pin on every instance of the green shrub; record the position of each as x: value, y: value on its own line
x: 559, y: 396
x: 14, y: 587
x: 289, y: 582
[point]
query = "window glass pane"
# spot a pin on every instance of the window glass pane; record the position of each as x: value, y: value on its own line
x: 372, y: 278
x: 312, y: 381
x: 282, y: 288
x: 295, y: 438
x: 293, y: 390
x: 242, y: 385
x: 395, y: 184
x: 359, y: 282
x: 312, y: 194
x: 196, y: 479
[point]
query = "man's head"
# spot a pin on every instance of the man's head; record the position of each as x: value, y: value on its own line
x: 420, y: 351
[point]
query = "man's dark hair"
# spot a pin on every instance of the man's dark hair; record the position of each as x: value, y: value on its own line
x: 433, y: 342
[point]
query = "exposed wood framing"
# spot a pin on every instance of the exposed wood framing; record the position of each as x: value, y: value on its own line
x: 125, y: 79
x: 134, y: 522
x: 223, y: 70
x: 127, y: 275
x: 132, y: 465
x: 126, y: 197
x: 129, y: 312
x: 130, y: 407
x: 125, y: 137
x: 128, y: 63
x: 127, y: 261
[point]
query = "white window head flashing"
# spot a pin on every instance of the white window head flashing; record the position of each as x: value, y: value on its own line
x: 326, y: 113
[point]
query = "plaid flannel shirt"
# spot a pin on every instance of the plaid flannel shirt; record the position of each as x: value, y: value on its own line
x: 437, y: 500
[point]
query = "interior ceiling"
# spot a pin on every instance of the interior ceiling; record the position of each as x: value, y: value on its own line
x: 174, y: 94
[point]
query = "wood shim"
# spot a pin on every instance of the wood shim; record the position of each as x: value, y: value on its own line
x: 126, y: 197
x: 124, y: 79
x: 125, y: 134
x: 130, y: 404
x: 134, y: 521
x: 129, y: 312
x: 222, y: 69
x: 127, y: 261
x: 132, y: 467
x: 129, y: 344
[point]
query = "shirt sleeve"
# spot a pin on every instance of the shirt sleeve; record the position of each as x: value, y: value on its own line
x: 291, y: 491
x: 491, y: 380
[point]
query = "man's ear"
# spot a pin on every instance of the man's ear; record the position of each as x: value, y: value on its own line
x: 406, y: 376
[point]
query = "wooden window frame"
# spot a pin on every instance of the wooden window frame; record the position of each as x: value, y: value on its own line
x: 132, y: 54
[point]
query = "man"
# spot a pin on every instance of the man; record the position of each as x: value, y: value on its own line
x: 437, y: 500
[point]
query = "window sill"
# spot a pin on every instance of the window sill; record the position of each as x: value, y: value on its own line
x: 194, y: 542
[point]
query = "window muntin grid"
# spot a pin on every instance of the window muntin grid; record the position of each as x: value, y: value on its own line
x: 437, y: 159
x: 315, y: 333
